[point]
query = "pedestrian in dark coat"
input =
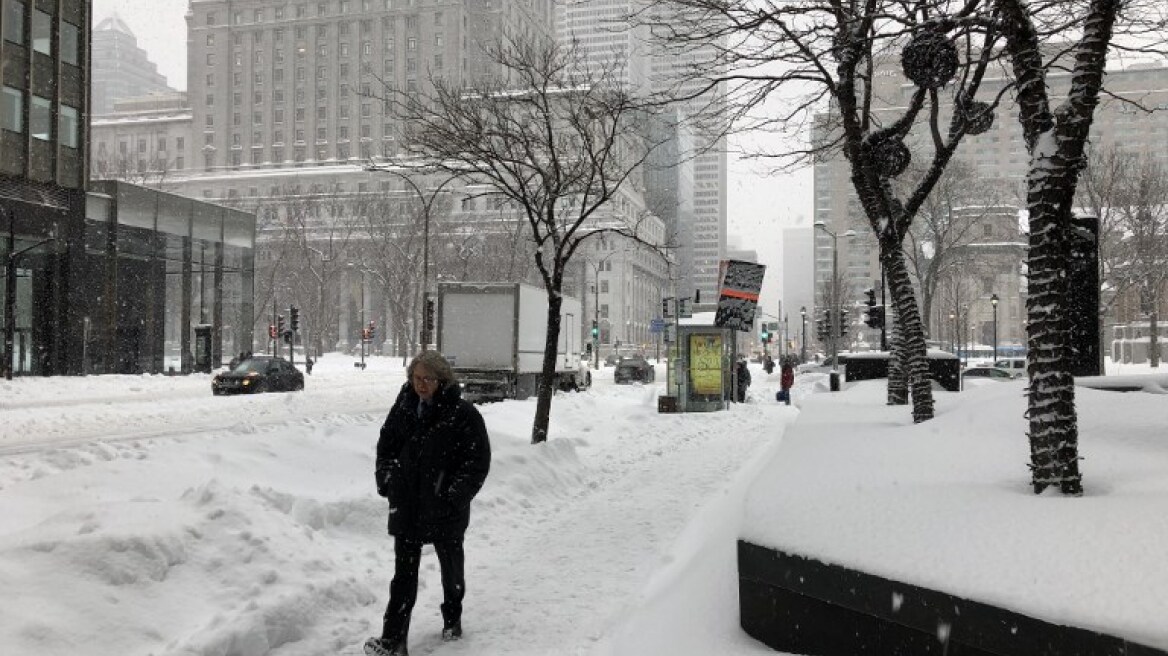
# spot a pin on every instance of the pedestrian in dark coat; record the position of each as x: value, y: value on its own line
x: 743, y: 377
x: 433, y: 455
x: 787, y: 381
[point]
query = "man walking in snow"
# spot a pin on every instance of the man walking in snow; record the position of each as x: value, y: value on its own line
x: 433, y: 455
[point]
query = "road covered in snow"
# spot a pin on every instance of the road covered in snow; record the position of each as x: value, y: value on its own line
x: 144, y: 516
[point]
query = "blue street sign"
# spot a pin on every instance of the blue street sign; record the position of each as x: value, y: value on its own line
x: 656, y: 325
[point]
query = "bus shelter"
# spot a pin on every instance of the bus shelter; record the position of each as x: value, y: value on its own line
x: 701, y: 367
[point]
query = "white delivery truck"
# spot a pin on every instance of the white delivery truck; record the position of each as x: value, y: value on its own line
x: 494, y: 334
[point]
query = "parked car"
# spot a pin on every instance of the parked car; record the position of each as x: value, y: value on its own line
x: 1013, y: 365
x: 258, y: 374
x: 633, y: 370
x: 992, y: 373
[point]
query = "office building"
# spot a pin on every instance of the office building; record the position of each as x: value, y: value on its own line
x: 44, y: 99
x: 121, y: 69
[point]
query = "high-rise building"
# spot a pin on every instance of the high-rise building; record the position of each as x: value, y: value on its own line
x: 121, y: 69
x: 707, y: 232
x: 44, y: 100
x: 274, y: 84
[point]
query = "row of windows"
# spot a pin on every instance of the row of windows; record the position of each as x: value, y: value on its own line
x: 322, y: 9
x: 161, y: 142
x: 42, y: 32
x: 324, y: 72
x: 40, y: 117
x: 299, y: 155
x: 300, y: 114
x: 257, y: 137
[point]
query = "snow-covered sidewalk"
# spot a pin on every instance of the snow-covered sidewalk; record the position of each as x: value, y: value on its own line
x: 266, y: 537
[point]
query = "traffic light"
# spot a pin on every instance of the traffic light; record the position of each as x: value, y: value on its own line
x: 595, y: 330
x: 843, y: 323
x: 295, y: 312
x: 372, y: 329
x: 272, y: 331
x: 823, y: 326
x: 876, y: 317
x: 279, y: 324
x: 766, y: 334
x: 871, y: 302
x: 430, y: 317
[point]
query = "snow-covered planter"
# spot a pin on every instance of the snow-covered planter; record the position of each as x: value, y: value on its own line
x: 929, y: 60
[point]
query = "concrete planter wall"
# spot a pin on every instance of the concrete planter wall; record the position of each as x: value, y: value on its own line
x: 803, y: 606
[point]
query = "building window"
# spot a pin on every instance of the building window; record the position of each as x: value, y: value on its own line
x: 12, y: 110
x: 42, y: 32
x: 210, y: 18
x: 257, y: 118
x: 278, y: 137
x: 322, y: 134
x: 40, y: 118
x: 258, y: 16
x: 237, y: 78
x: 237, y: 17
x: 367, y: 48
x: 301, y: 11
x: 14, y: 21
x: 366, y: 110
x: 321, y: 9
x: 237, y: 99
x: 279, y: 13
x: 411, y: 44
x: 210, y: 122
x: 141, y: 144
x: 209, y: 138
x: 180, y: 162
x: 70, y: 44
x: 343, y: 112
x: 210, y: 39
x: 277, y: 116
x: 322, y: 50
x: 344, y: 50
x: 210, y: 59
x: 342, y: 29
x: 321, y: 113
x: 988, y: 230
x: 179, y: 143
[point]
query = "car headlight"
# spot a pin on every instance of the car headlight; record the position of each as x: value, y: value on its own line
x: 246, y: 382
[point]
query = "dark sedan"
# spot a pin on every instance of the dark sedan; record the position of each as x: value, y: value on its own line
x: 633, y: 370
x: 258, y: 374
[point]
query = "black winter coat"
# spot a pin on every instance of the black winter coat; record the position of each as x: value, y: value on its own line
x: 431, y: 467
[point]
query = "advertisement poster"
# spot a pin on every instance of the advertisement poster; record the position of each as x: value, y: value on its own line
x: 738, y: 294
x: 705, y: 365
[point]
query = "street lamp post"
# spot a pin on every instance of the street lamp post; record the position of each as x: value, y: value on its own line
x: 835, y: 326
x: 994, y: 302
x: 803, y: 335
x: 427, y: 198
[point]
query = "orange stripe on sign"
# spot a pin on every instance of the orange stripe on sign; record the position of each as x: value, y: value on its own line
x: 740, y: 294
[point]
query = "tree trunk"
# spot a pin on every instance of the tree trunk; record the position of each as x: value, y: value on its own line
x: 547, y: 380
x: 1153, y: 338
x: 897, y: 378
x: 914, y: 363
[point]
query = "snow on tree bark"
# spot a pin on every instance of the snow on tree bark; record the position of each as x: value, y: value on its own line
x: 911, y: 336
x: 897, y: 377
x: 1055, y: 140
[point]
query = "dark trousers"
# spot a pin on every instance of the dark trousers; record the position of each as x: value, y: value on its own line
x: 403, y: 590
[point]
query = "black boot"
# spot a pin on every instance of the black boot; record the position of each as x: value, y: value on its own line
x: 383, y: 647
x: 451, y: 630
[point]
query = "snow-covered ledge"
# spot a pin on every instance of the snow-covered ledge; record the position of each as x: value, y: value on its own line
x: 946, y: 506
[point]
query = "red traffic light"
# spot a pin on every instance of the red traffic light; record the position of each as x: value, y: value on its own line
x: 272, y: 330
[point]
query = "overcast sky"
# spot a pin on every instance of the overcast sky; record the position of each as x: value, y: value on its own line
x: 759, y: 206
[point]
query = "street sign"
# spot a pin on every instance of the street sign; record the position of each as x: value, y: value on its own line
x: 656, y: 325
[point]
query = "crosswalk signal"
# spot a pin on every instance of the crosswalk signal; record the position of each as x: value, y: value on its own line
x: 272, y: 334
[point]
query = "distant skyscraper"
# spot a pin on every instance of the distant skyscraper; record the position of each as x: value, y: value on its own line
x: 707, y: 232
x: 120, y: 68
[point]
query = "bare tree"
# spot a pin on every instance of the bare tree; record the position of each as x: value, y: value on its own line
x: 1140, y: 206
x: 935, y: 246
x: 823, y: 58
x: 1104, y: 191
x: 555, y: 137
